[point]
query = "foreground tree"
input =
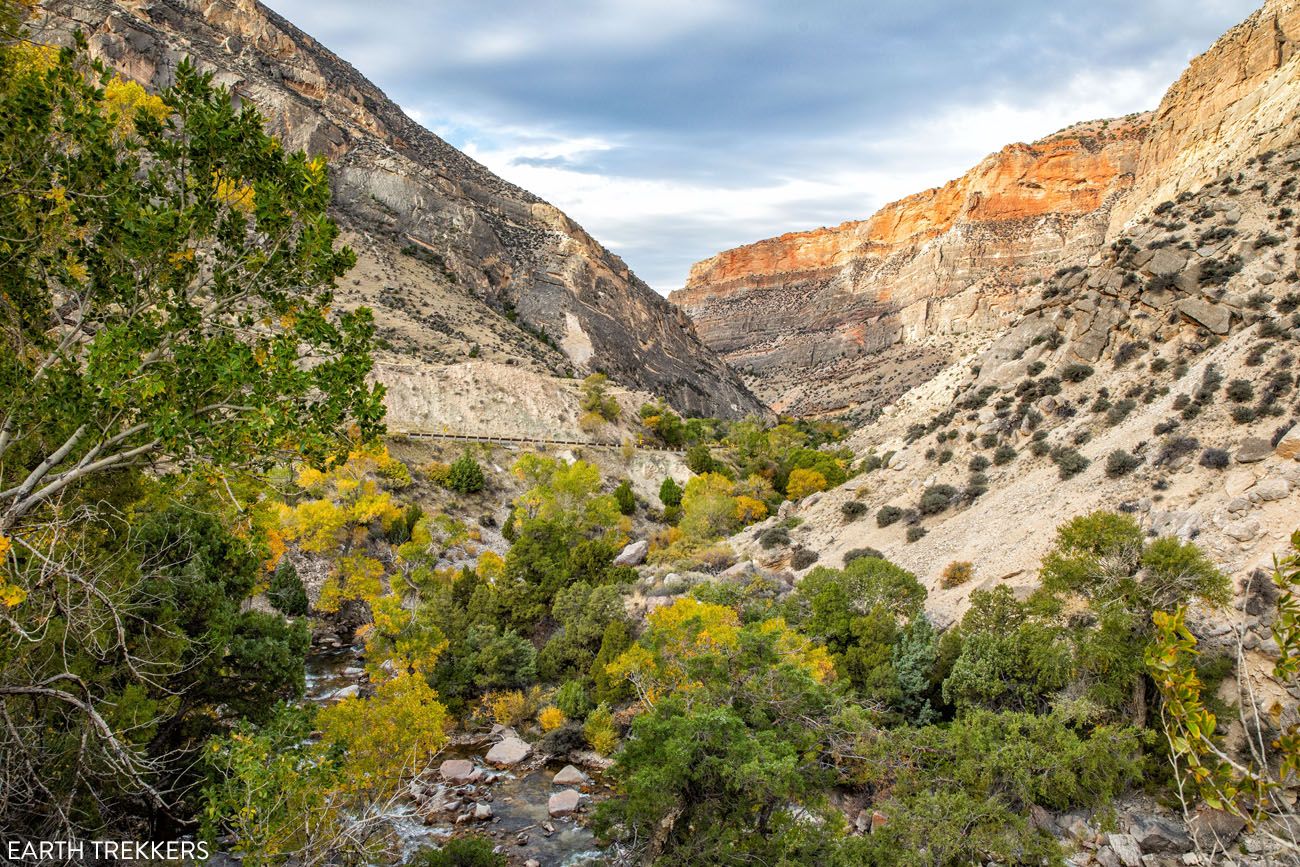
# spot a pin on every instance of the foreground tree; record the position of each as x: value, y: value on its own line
x: 165, y: 303
x: 169, y: 271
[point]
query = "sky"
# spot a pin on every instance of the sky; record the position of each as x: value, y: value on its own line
x: 675, y: 129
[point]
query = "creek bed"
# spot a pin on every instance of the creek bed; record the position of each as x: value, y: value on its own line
x: 518, y: 797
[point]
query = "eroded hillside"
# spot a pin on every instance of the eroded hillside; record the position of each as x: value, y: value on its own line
x: 457, y: 262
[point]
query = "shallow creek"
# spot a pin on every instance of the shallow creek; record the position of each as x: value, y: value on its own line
x: 520, y: 820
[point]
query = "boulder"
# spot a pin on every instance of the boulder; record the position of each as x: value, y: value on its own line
x: 1243, y: 530
x: 1238, y: 482
x: 1270, y: 490
x: 456, y: 771
x: 1289, y: 445
x: 741, y: 570
x: 508, y: 752
x: 482, y: 812
x: 1126, y: 849
x: 1184, y: 525
x: 633, y: 554
x: 1155, y: 834
x: 349, y: 691
x: 570, y: 776
x: 1167, y: 260
x: 1253, y: 449
x: 1214, y: 830
x: 564, y: 803
x: 1215, y: 317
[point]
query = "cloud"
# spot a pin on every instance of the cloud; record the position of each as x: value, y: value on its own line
x: 673, y: 129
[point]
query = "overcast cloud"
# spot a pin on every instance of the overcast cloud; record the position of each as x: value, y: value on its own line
x: 673, y: 129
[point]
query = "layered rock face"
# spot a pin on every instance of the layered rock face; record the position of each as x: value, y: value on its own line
x: 852, y: 316
x: 801, y: 314
x: 1238, y: 99
x: 503, y: 269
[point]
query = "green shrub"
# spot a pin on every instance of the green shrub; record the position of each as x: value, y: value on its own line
x: 802, y: 558
x: 936, y: 499
x: 1004, y: 455
x: 1069, y: 462
x: 774, y: 537
x: 1120, y: 411
x: 887, y: 515
x: 915, y: 532
x: 286, y: 592
x: 1121, y: 463
x: 978, y: 464
x: 1075, y: 372
x: 624, y: 497
x: 1215, y: 459
x: 670, y: 493
x: 1240, y: 391
x: 853, y: 509
x: 473, y: 850
x: 572, y: 698
x: 859, y: 553
x: 465, y: 476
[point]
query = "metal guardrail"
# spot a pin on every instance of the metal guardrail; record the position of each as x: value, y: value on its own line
x: 525, y: 441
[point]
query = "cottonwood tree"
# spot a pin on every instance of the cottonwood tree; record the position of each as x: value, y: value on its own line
x: 166, y: 276
x: 166, y: 287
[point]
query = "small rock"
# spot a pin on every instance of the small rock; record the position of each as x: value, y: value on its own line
x: 510, y: 751
x: 1271, y: 489
x: 633, y: 554
x: 862, y: 822
x: 1155, y: 834
x: 532, y: 862
x: 570, y: 776
x: 349, y: 691
x: 1242, y: 531
x: 878, y: 820
x: 1253, y: 449
x: 457, y: 771
x: 482, y: 812
x: 1238, y: 504
x: 1238, y: 482
x: 564, y: 803
x: 1289, y: 445
x: 1125, y: 847
x: 1214, y: 830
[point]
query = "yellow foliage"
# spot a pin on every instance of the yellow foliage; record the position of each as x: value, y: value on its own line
x: 507, y: 708
x: 677, y: 633
x: 749, y: 510
x: 375, y: 505
x: 799, y: 650
x: 436, y: 472
x: 386, y: 738
x: 490, y: 566
x: 550, y: 718
x: 956, y: 573
x: 358, y: 577
x: 124, y: 101
x: 275, y: 548
x: 316, y: 525
x: 804, y: 482
x: 11, y: 595
x: 310, y: 478
x: 234, y: 192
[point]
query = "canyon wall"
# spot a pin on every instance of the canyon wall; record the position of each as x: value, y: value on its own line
x: 453, y: 257
x: 850, y: 317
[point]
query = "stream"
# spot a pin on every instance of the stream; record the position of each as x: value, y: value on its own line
x: 520, y: 824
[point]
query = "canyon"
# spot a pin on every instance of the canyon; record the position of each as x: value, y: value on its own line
x: 459, y: 265
x: 847, y: 319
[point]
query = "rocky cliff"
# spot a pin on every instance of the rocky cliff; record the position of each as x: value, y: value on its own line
x: 456, y: 261
x: 853, y: 316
